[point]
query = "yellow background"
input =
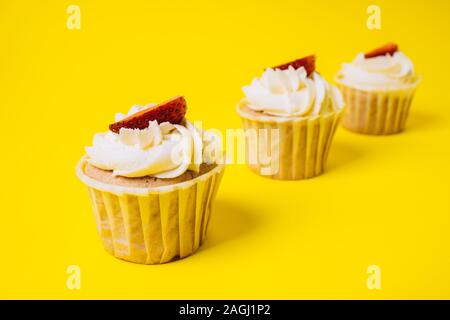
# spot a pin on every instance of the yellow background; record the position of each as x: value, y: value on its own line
x: 383, y: 200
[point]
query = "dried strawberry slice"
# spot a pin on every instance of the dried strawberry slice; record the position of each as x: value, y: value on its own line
x: 389, y: 48
x: 309, y: 63
x: 172, y: 111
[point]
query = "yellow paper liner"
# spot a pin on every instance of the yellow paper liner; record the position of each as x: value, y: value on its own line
x: 303, y: 146
x: 377, y: 112
x: 153, y: 225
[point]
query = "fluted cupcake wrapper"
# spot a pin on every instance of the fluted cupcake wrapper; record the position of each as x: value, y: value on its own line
x: 377, y: 112
x: 153, y: 226
x: 302, y: 145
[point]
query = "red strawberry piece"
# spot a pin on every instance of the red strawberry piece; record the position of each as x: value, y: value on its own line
x: 309, y: 63
x: 172, y: 111
x: 389, y: 48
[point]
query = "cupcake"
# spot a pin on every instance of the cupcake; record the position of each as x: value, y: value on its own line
x: 290, y: 115
x: 152, y: 179
x: 378, y: 88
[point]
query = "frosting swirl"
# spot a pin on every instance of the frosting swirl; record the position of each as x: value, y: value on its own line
x: 162, y: 150
x: 383, y: 72
x: 291, y: 93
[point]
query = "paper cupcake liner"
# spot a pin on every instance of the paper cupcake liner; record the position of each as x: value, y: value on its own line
x: 156, y: 225
x: 377, y: 112
x: 303, y: 145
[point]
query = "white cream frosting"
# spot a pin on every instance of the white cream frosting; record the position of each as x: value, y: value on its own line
x: 291, y: 93
x: 161, y: 150
x: 383, y: 72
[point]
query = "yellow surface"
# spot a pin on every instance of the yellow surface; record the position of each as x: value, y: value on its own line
x: 382, y: 201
